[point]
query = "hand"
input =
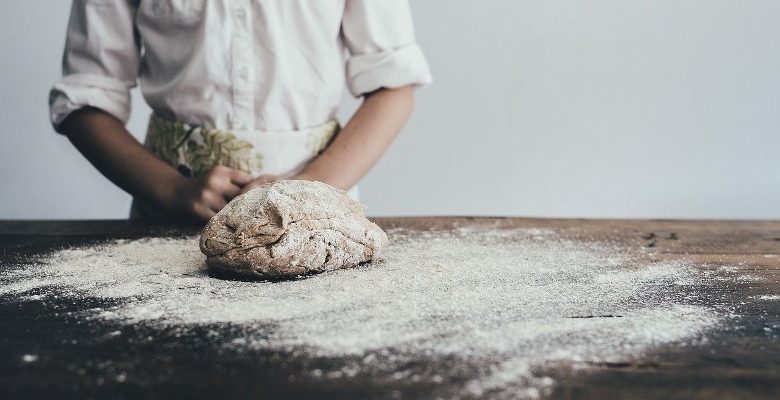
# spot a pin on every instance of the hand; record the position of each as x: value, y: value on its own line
x: 304, y: 176
x: 204, y: 196
x: 259, y: 181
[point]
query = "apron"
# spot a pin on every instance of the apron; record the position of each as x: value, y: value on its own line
x: 194, y: 150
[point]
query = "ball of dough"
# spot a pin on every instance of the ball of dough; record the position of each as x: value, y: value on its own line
x: 290, y: 228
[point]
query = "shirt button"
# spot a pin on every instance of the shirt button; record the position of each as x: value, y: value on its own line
x: 240, y: 13
x: 243, y: 73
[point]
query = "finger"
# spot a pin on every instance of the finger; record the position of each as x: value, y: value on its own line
x: 229, y: 191
x: 265, y: 179
x: 213, y: 200
x: 219, y: 169
x: 203, y: 212
x: 216, y: 179
x: 239, y: 177
x: 249, y: 187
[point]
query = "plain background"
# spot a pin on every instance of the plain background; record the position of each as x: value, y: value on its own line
x: 610, y: 108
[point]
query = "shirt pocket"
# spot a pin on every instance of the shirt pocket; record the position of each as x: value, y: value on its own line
x: 174, y: 11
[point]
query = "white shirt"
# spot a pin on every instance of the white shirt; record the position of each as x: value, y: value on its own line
x: 240, y: 64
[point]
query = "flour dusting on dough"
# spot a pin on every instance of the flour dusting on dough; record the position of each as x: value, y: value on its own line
x: 289, y: 228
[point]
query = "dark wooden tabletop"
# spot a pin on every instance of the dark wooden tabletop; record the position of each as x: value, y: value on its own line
x: 738, y: 361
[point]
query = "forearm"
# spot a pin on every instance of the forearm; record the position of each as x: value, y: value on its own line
x: 364, y: 139
x: 105, y: 142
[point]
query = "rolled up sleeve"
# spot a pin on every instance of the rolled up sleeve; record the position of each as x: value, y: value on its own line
x: 101, y: 60
x: 383, y: 50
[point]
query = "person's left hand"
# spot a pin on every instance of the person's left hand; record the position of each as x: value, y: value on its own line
x: 259, y: 181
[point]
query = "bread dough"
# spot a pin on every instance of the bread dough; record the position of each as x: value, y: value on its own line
x: 290, y: 228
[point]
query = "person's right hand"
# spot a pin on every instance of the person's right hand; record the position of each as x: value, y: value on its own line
x: 204, y: 196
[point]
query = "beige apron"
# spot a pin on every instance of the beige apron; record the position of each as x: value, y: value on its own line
x: 195, y: 150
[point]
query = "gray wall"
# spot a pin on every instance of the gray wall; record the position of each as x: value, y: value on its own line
x: 611, y: 108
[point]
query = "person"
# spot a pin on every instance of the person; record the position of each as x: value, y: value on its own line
x: 242, y: 93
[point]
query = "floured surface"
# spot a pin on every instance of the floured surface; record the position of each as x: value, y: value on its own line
x: 500, y: 303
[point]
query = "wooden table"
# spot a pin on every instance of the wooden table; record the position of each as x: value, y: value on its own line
x: 739, y: 361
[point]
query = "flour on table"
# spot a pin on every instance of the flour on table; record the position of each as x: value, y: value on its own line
x: 289, y: 228
x: 503, y: 304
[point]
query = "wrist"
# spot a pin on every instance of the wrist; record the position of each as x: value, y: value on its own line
x: 169, y: 190
x: 313, y: 175
x: 305, y: 176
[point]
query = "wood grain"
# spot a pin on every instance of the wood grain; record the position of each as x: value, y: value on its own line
x: 741, y: 359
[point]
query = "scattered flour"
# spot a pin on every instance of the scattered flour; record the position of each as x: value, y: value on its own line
x: 509, y: 301
x: 30, y: 358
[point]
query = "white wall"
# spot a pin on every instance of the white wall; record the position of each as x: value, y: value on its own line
x: 611, y: 108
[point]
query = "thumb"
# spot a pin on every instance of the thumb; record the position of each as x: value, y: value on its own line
x: 239, y: 177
